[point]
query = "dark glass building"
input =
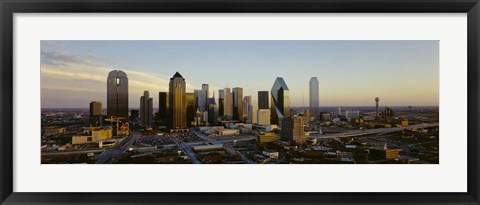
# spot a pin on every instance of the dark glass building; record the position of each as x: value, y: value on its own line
x: 262, y: 99
x: 221, y: 97
x: 117, y: 94
x: 190, y: 109
x: 237, y: 98
x: 280, y: 101
x: 146, y: 109
x: 162, y: 114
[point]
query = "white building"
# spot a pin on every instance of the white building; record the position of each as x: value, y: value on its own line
x: 252, y: 114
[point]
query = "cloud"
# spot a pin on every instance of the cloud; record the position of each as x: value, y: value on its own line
x: 63, y: 72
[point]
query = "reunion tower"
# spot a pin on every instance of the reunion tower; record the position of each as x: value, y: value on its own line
x: 376, y: 101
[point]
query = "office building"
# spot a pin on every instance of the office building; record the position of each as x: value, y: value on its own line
x: 177, y: 102
x: 190, y: 109
x: 252, y: 114
x: 237, y: 97
x: 228, y: 104
x: 263, y: 116
x: 247, y: 101
x: 117, y: 94
x: 292, y: 129
x: 205, y: 89
x: 314, y: 96
x: 96, y: 108
x: 263, y: 99
x: 212, y: 114
x: 200, y: 100
x: 162, y: 107
x: 221, y: 97
x: 146, y: 110
x: 280, y: 101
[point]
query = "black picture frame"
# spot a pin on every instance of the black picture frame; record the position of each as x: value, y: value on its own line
x: 9, y: 7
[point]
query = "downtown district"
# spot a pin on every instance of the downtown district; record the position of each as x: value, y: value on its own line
x: 201, y: 129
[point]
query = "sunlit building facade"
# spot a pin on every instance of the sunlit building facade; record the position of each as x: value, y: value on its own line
x: 177, y: 102
x: 96, y: 108
x: 280, y: 101
x: 117, y: 94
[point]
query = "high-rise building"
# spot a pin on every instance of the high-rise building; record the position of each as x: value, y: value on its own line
x: 280, y: 100
x: 117, y: 94
x: 247, y: 101
x: 207, y: 95
x: 237, y: 96
x: 163, y: 107
x: 292, y: 129
x: 228, y: 104
x: 263, y: 117
x: 221, y: 97
x: 177, y: 102
x: 314, y: 96
x: 376, y: 105
x: 252, y: 114
x: 96, y: 108
x: 190, y: 109
x: 200, y: 100
x: 262, y: 99
x: 212, y: 114
x: 146, y: 109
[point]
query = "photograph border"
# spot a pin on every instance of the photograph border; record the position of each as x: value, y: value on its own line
x: 10, y: 7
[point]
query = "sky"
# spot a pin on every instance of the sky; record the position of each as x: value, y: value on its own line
x: 350, y: 73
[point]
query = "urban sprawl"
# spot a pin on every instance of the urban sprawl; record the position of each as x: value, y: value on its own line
x: 199, y: 128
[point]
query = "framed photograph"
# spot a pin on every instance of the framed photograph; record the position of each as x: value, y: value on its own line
x: 251, y: 102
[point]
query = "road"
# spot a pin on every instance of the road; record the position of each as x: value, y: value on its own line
x: 113, y: 155
x: 356, y: 133
x: 229, y: 149
x: 186, y: 149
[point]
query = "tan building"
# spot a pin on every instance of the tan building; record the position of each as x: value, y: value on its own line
x: 177, y: 102
x: 97, y: 134
x: 268, y: 137
x: 263, y: 116
x: 96, y: 108
x: 292, y: 129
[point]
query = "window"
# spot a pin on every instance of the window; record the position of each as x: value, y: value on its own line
x: 118, y: 81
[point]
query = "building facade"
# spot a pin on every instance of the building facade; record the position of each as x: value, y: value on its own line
x: 117, y: 94
x: 237, y: 96
x: 177, y: 102
x: 280, y: 101
x: 146, y: 110
x: 292, y: 129
x: 262, y: 99
x: 314, y: 96
x: 96, y: 108
x: 228, y: 104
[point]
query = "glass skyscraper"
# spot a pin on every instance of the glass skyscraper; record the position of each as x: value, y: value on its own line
x: 314, y: 96
x: 177, y: 102
x: 117, y: 94
x: 280, y: 100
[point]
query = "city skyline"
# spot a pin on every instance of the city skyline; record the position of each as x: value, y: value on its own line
x: 73, y: 72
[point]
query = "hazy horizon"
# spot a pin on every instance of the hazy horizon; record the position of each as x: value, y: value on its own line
x: 350, y: 73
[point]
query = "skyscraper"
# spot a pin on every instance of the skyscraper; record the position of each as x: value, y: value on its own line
x: 207, y: 95
x: 228, y: 104
x: 96, y: 108
x: 163, y: 107
x: 177, y: 102
x: 146, y: 109
x: 212, y: 114
x: 252, y: 114
x: 190, y: 109
x: 314, y: 96
x: 292, y: 129
x: 117, y: 94
x: 200, y: 100
x: 247, y: 101
x: 221, y: 97
x: 280, y: 100
x: 262, y: 99
x: 237, y: 95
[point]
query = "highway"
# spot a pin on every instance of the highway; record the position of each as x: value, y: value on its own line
x: 112, y: 155
x: 186, y: 149
x: 229, y: 149
x: 356, y: 133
